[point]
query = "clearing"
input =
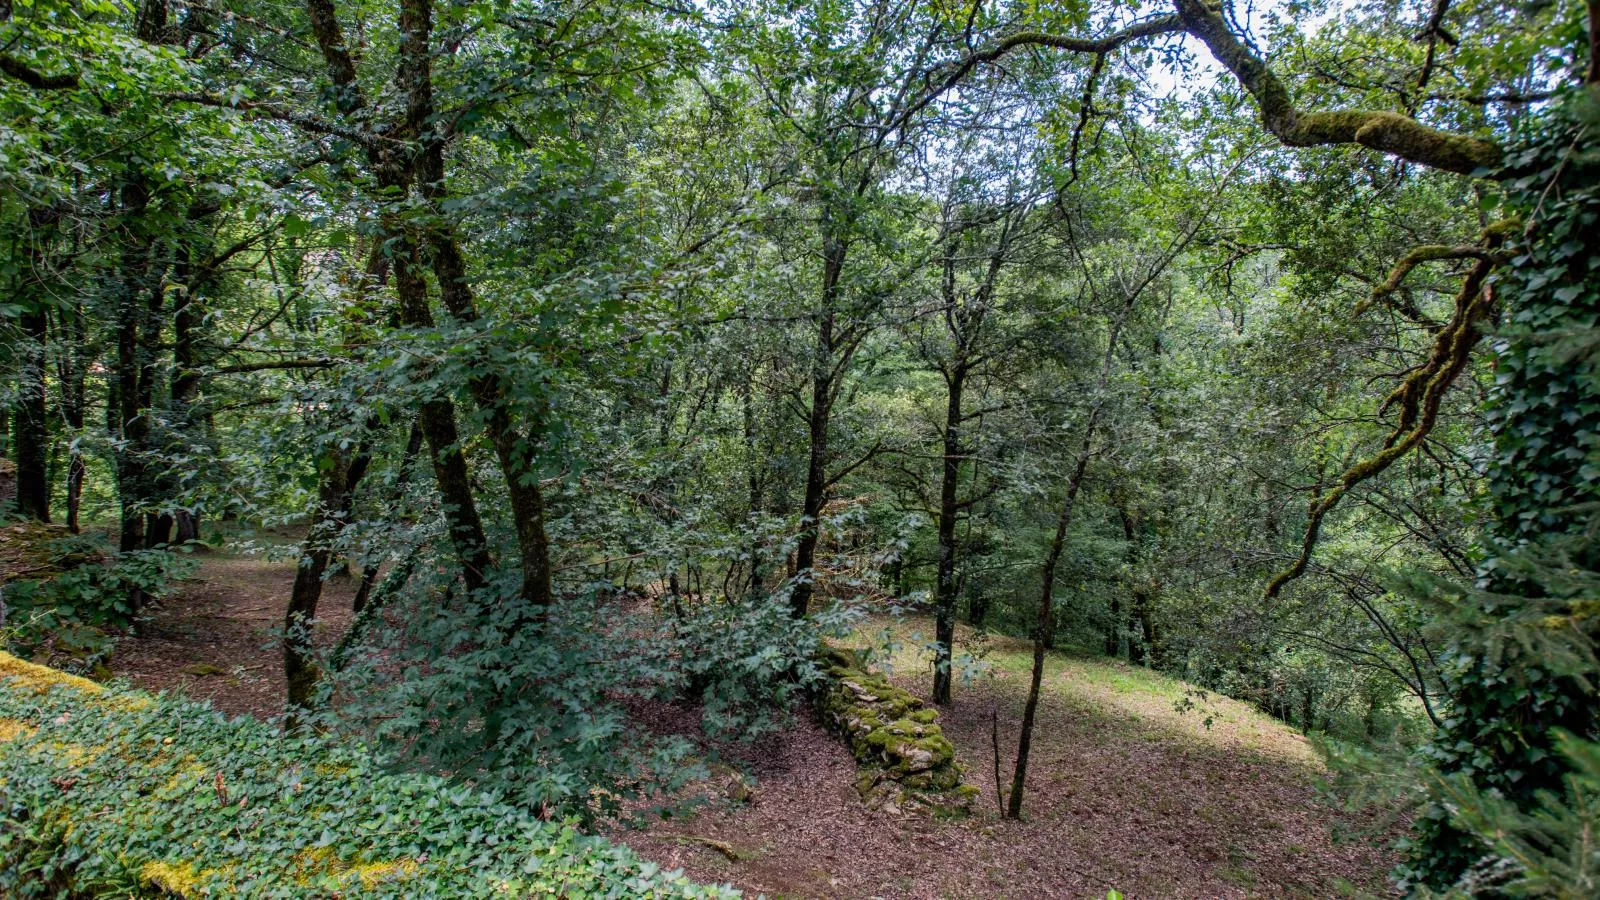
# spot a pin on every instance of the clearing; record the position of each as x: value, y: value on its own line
x: 1124, y: 791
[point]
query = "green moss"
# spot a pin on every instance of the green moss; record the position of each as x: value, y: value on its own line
x: 907, y: 761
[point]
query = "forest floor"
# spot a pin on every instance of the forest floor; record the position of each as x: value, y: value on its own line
x: 1124, y: 791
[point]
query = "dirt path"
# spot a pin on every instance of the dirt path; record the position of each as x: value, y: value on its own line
x: 216, y: 638
x: 1124, y: 792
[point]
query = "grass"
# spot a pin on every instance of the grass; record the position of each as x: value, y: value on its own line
x: 1116, y: 695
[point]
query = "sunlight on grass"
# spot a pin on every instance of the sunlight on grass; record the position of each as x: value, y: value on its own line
x: 1124, y: 696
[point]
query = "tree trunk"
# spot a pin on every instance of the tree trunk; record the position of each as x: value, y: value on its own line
x: 977, y: 610
x: 516, y: 454
x: 1042, y: 624
x: 1149, y: 649
x: 32, y: 422
x: 1114, y: 630
x: 332, y: 500
x: 816, y: 496
x: 157, y: 530
x: 126, y: 413
x: 945, y: 591
x: 825, y: 372
x: 437, y: 419
x: 753, y: 480
x: 369, y: 575
x: 186, y: 317
x: 74, y: 339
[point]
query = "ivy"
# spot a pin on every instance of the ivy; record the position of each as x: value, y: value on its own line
x: 1521, y: 666
x: 113, y: 792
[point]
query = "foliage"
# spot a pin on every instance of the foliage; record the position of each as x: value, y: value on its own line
x: 112, y: 791
x: 598, y: 336
x: 77, y: 610
x: 1546, y: 849
x: 1522, y: 663
x: 553, y: 708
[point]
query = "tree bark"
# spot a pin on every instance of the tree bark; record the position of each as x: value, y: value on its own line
x: 517, y: 454
x: 816, y: 495
x: 825, y: 372
x: 945, y: 590
x: 186, y: 318
x: 333, y: 495
x: 32, y: 436
x: 126, y: 411
x: 74, y: 339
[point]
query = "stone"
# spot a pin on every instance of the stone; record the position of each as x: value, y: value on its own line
x: 907, y: 765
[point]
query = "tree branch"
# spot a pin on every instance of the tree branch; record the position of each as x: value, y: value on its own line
x: 1386, y: 132
x: 271, y: 364
x: 33, y: 78
x: 1419, y: 395
x: 1101, y: 46
x: 282, y: 114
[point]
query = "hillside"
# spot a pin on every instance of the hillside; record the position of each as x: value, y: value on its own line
x: 1125, y: 791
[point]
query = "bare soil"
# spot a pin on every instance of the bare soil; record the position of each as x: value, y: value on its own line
x: 216, y: 638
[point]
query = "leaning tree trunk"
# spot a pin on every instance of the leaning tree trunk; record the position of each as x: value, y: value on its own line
x: 516, y: 453
x: 1042, y: 622
x: 1044, y: 627
x: 339, y: 473
x: 437, y: 419
x: 298, y: 668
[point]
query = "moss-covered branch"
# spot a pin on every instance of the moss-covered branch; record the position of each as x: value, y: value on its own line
x: 1386, y: 132
x: 1419, y: 395
x: 33, y: 78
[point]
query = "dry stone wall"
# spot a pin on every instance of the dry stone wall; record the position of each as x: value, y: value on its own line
x: 907, y: 764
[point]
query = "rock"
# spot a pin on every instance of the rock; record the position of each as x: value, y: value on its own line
x: 914, y: 758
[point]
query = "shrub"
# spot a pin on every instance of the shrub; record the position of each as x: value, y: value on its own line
x: 557, y: 714
x: 108, y: 791
x: 79, y: 597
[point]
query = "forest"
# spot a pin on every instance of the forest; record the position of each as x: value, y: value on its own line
x: 853, y: 448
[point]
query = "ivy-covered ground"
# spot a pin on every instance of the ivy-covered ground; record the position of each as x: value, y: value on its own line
x: 1125, y: 791
x: 110, y: 792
